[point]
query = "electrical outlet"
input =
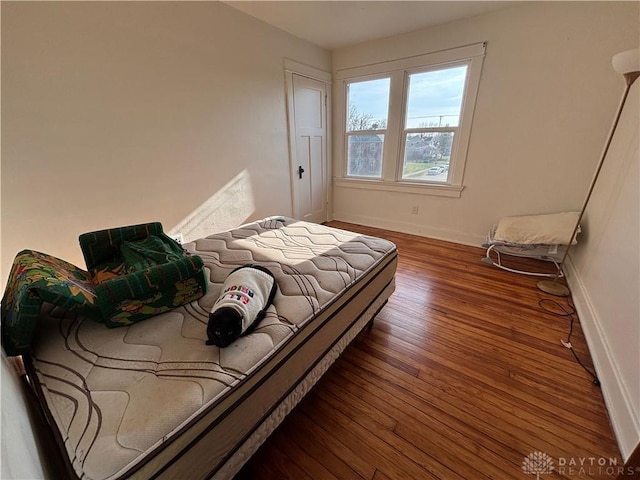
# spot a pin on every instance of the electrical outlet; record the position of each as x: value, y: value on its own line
x: 414, y: 210
x: 178, y: 238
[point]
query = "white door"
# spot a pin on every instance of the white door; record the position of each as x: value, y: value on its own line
x: 309, y: 148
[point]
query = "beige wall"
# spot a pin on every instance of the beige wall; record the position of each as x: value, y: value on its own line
x: 546, y: 99
x: 116, y: 113
x: 606, y: 276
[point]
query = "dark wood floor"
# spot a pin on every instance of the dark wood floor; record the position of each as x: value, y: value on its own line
x: 462, y: 376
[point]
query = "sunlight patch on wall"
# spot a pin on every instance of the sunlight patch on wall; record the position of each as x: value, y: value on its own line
x: 229, y: 207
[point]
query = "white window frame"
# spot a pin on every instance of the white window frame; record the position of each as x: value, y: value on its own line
x: 393, y: 153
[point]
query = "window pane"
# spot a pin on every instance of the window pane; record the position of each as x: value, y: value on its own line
x: 364, y: 155
x: 426, y: 156
x: 435, y: 98
x: 368, y: 105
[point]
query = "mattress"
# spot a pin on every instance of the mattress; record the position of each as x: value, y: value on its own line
x: 152, y: 400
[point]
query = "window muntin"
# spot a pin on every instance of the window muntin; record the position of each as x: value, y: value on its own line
x: 433, y: 107
x: 366, y: 124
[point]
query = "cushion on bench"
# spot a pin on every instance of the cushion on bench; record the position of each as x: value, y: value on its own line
x: 35, y: 278
x: 139, y: 271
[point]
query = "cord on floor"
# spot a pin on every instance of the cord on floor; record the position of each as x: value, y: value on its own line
x: 556, y: 308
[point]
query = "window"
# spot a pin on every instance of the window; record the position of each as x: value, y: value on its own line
x: 407, y: 122
x: 367, y: 109
x: 434, y: 101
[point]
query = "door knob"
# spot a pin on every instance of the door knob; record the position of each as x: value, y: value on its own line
x: 300, y: 171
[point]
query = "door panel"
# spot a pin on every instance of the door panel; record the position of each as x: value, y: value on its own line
x: 315, y: 181
x: 304, y: 194
x: 307, y: 101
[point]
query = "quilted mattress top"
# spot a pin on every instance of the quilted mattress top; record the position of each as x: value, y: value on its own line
x: 118, y: 394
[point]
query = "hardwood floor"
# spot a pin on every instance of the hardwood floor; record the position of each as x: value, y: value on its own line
x: 462, y: 376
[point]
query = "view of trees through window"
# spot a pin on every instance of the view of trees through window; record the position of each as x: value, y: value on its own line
x: 434, y: 102
x: 427, y: 154
x: 364, y: 150
x: 368, y: 104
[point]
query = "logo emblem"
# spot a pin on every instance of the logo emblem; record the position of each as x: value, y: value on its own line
x: 537, y: 463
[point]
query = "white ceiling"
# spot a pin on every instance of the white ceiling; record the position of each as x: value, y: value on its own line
x: 335, y: 24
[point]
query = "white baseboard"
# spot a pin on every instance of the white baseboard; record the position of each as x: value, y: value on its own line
x: 411, y: 228
x: 625, y: 422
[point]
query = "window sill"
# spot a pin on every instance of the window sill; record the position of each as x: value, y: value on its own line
x: 441, y: 190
